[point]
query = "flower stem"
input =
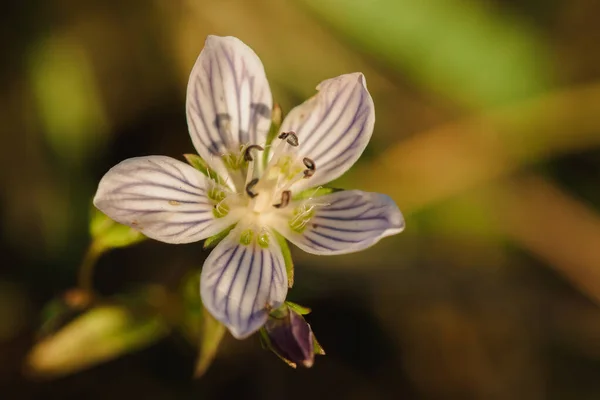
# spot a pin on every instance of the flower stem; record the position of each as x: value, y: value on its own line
x: 86, y: 269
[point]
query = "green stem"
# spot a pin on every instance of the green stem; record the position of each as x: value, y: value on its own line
x: 86, y: 269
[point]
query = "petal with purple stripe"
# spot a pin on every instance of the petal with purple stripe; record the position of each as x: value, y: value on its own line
x: 340, y: 223
x: 163, y: 198
x: 333, y: 127
x: 228, y: 100
x: 241, y: 282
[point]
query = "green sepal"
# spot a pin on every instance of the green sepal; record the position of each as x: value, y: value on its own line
x: 298, y: 308
x: 276, y: 118
x: 287, y: 258
x: 317, y: 348
x: 263, y: 337
x: 310, y: 193
x: 280, y: 312
x: 108, y: 234
x: 214, y: 240
x: 198, y: 162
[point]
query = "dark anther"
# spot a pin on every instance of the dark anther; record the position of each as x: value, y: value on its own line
x: 292, y: 139
x: 247, y: 155
x: 286, y: 196
x: 311, y: 167
x: 250, y: 186
x: 308, y: 173
x: 289, y: 137
x: 310, y: 164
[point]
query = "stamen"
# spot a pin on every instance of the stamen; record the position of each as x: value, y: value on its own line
x: 310, y: 164
x: 249, y: 188
x: 286, y: 196
x: 247, y: 156
x: 289, y: 137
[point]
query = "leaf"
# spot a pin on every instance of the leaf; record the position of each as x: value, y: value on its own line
x: 60, y: 311
x: 100, y: 334
x: 108, y: 234
x: 212, y: 334
x: 198, y: 326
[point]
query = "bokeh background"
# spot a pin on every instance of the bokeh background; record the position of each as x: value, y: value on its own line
x: 487, y: 137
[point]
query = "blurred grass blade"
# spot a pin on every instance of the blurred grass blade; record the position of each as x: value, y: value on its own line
x: 465, y: 50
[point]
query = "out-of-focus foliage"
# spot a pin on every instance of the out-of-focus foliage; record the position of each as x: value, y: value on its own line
x: 487, y: 136
x: 108, y: 234
x: 67, y: 98
x: 99, y: 333
x: 469, y: 51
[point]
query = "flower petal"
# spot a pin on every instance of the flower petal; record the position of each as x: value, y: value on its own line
x: 228, y: 100
x: 342, y: 222
x: 333, y: 127
x: 163, y: 198
x: 240, y: 282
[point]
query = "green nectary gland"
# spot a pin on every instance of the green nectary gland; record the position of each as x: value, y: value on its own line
x: 220, y: 210
x: 247, y: 237
x: 263, y: 240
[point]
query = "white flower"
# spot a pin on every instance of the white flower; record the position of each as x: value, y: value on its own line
x: 229, y: 114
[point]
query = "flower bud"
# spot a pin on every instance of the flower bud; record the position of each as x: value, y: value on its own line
x: 290, y: 337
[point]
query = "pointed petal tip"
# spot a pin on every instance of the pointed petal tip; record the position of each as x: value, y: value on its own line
x: 214, y: 39
x: 352, y: 76
x: 227, y: 83
x: 96, y: 200
x: 359, y: 76
x: 395, y: 216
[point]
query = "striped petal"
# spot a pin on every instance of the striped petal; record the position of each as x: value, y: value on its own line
x: 241, y: 282
x: 161, y: 197
x: 340, y: 223
x: 333, y: 127
x: 228, y: 100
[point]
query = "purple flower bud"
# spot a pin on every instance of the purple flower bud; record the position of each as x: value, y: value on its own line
x: 290, y: 337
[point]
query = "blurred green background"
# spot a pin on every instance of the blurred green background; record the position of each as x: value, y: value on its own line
x: 487, y: 137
